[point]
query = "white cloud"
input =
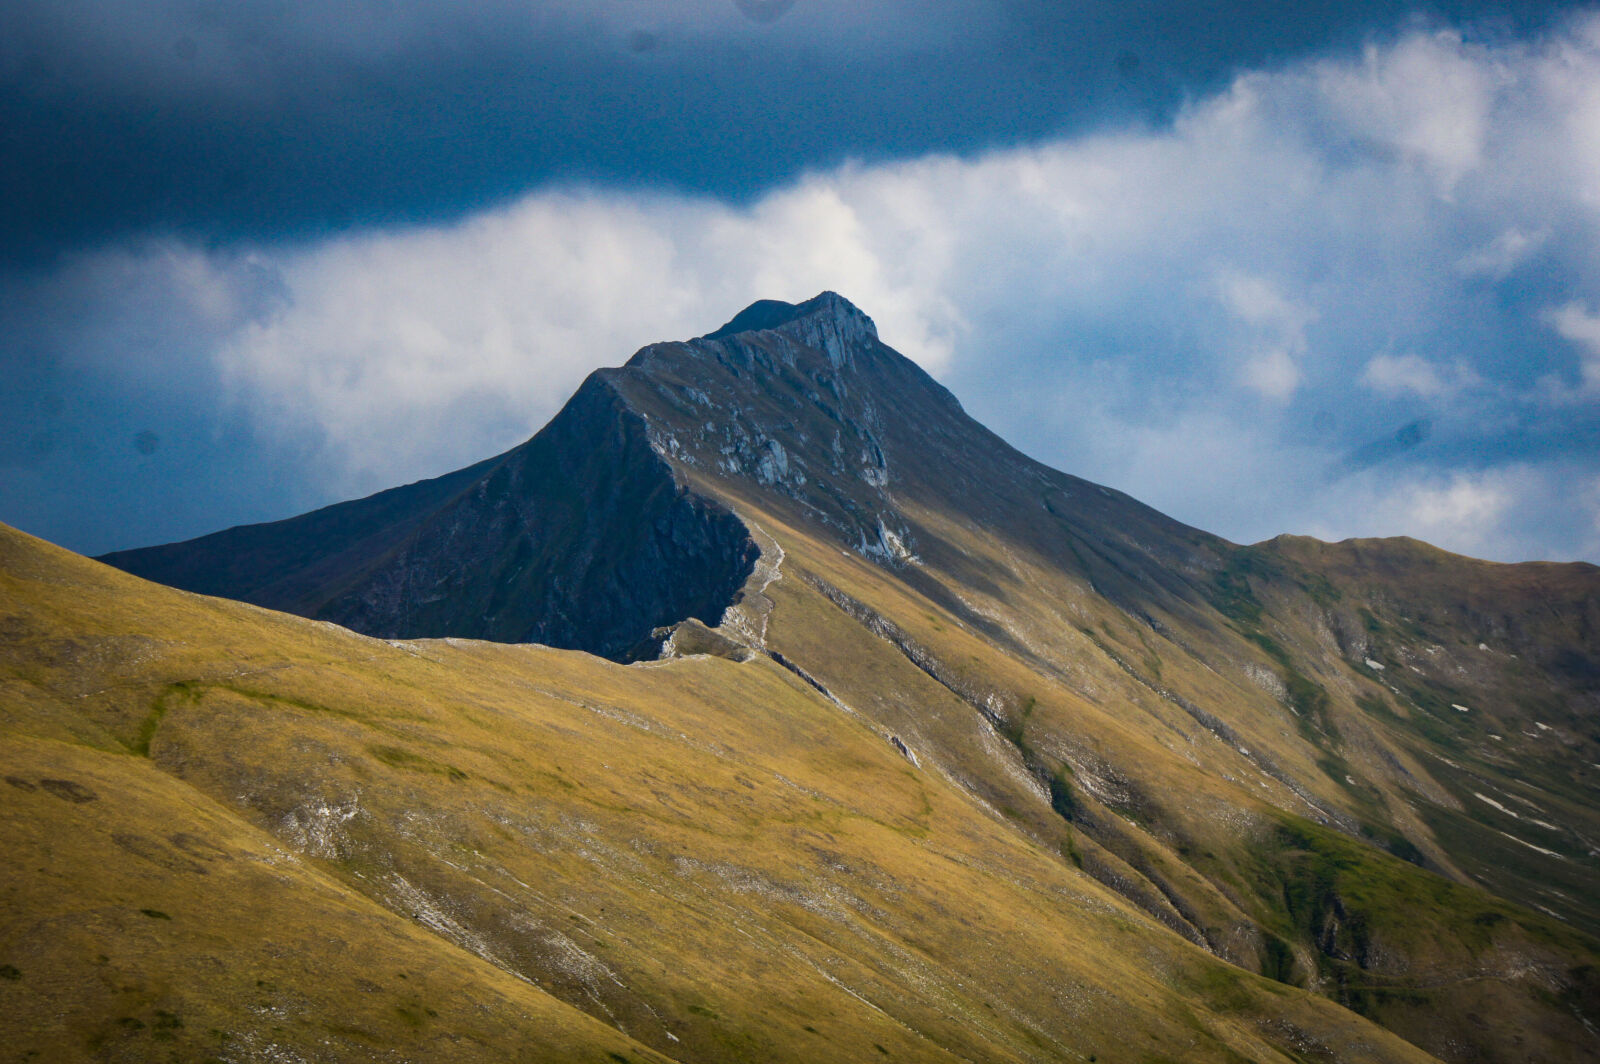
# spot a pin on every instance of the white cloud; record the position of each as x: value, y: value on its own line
x: 1396, y: 376
x: 1461, y: 511
x: 1117, y: 304
x: 1429, y: 99
x: 1270, y: 367
x: 1273, y: 373
x: 1507, y: 251
x: 1484, y: 513
x: 1464, y: 502
x: 407, y: 353
x: 141, y: 314
x: 1574, y: 322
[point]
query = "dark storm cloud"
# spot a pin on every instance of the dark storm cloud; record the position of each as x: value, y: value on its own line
x: 262, y: 119
x: 117, y: 425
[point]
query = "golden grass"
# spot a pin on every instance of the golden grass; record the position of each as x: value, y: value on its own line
x: 551, y: 849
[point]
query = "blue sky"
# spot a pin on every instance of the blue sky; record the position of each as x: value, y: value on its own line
x: 1335, y: 273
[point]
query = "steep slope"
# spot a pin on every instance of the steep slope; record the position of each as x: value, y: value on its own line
x: 1363, y: 769
x: 1487, y: 674
x: 578, y: 538
x: 242, y: 836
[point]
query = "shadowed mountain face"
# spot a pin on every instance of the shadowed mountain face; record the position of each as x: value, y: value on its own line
x: 579, y: 538
x: 1369, y: 771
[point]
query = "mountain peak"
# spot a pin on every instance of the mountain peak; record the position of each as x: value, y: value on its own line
x: 823, y: 314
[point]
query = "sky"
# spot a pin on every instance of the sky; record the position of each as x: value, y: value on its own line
x: 1330, y: 269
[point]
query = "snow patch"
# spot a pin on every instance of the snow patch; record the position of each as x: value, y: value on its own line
x: 1484, y: 798
x: 1531, y: 846
x: 1514, y: 815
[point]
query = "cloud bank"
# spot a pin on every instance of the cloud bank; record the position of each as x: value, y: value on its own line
x: 275, y: 119
x: 1352, y: 295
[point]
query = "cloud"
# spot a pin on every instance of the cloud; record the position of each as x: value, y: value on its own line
x: 420, y: 350
x: 166, y: 49
x: 115, y: 426
x: 1574, y: 322
x: 1496, y: 259
x: 1398, y: 376
x: 1270, y: 366
x: 1463, y: 509
x: 271, y: 119
x: 1188, y: 311
x: 1426, y: 101
x: 407, y: 353
x: 1494, y: 513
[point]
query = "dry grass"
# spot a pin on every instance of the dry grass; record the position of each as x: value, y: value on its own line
x: 428, y: 850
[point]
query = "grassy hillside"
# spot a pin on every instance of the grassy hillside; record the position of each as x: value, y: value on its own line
x: 1221, y: 774
x: 239, y: 835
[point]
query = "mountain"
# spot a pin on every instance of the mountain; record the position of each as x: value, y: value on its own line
x: 578, y: 538
x: 927, y: 751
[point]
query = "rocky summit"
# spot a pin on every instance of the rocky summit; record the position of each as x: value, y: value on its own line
x: 765, y: 706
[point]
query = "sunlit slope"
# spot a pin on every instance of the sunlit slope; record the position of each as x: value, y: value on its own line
x: 350, y: 849
x: 1483, y: 679
x: 1170, y: 766
x: 1196, y: 724
x: 144, y: 921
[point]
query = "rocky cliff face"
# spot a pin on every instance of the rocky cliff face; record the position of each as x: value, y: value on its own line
x: 616, y: 517
x: 800, y: 402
